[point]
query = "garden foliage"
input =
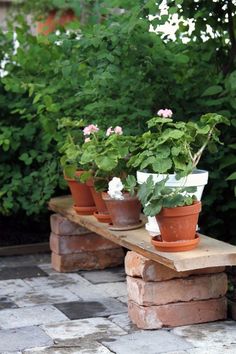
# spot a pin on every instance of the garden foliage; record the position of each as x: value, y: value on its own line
x: 111, y: 70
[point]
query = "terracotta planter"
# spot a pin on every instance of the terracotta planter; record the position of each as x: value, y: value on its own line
x: 179, y: 224
x: 54, y: 20
x: 198, y: 179
x: 81, y: 196
x: 102, y: 214
x: 125, y: 214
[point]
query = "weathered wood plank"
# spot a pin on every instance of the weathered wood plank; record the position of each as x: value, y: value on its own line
x: 209, y: 253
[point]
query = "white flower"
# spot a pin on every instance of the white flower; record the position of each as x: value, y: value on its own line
x: 115, y: 187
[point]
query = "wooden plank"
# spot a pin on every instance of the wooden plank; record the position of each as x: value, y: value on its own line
x: 209, y: 253
x: 21, y: 250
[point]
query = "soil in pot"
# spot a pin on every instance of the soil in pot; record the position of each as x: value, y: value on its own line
x: 179, y: 223
x: 81, y: 196
x: 125, y: 213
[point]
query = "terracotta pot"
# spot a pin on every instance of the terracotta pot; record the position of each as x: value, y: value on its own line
x: 80, y: 192
x: 97, y: 197
x: 198, y: 179
x: 124, y: 213
x: 102, y: 214
x: 178, y: 223
x: 54, y: 20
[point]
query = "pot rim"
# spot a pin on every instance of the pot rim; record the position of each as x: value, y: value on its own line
x: 194, y: 208
x: 127, y: 196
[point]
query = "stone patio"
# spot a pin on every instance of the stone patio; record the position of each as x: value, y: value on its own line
x: 42, y: 311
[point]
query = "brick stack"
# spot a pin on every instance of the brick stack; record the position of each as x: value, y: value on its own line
x: 161, y: 297
x: 76, y: 248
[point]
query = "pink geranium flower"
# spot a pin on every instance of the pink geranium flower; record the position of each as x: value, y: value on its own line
x: 118, y: 130
x: 165, y: 113
x: 90, y: 129
x: 109, y: 131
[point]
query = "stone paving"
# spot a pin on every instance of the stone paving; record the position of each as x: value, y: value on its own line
x: 42, y: 311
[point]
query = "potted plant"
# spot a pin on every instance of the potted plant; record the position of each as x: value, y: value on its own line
x: 176, y: 211
x: 73, y: 171
x: 123, y: 204
x: 106, y: 154
x: 173, y: 149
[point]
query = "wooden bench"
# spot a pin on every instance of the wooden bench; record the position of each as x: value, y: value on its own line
x: 165, y: 289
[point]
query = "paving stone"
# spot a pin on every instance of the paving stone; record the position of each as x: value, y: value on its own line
x: 92, y: 348
x: 123, y: 299
x: 6, y: 303
x: 123, y: 321
x: 28, y: 260
x: 13, y: 286
x: 44, y: 296
x: 113, y: 289
x: 57, y: 280
x: 30, y: 316
x: 209, y: 350
x: 87, y: 309
x: 147, y: 342
x: 72, y: 333
x: 88, y: 292
x: 21, y: 272
x: 110, y: 275
x: 22, y: 338
x: 209, y: 335
x: 46, y: 267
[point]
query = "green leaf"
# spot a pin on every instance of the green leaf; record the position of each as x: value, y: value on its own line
x: 231, y: 177
x: 162, y: 165
x: 182, y: 58
x: 106, y: 163
x: 212, y: 90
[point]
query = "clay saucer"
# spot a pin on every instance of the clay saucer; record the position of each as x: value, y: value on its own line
x: 85, y: 210
x: 105, y: 218
x: 176, y: 246
x: 127, y: 227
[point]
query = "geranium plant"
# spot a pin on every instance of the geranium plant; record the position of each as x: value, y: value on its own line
x: 155, y: 196
x: 176, y: 146
x: 117, y: 187
x: 106, y: 153
x: 71, y: 149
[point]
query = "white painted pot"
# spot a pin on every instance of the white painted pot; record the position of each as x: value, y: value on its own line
x: 196, y: 179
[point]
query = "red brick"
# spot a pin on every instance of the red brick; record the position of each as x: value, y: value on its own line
x: 77, y: 244
x: 61, y: 226
x: 142, y: 267
x: 87, y: 260
x: 176, y: 290
x: 177, y: 314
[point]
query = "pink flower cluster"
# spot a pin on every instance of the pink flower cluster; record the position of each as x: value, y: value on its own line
x: 117, y: 130
x: 165, y: 113
x: 91, y: 128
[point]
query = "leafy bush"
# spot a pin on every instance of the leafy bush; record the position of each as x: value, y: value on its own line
x: 115, y: 73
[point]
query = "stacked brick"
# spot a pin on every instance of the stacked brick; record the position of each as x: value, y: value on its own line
x: 76, y: 248
x: 161, y: 297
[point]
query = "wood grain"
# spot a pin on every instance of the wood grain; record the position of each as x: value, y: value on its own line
x: 209, y: 253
